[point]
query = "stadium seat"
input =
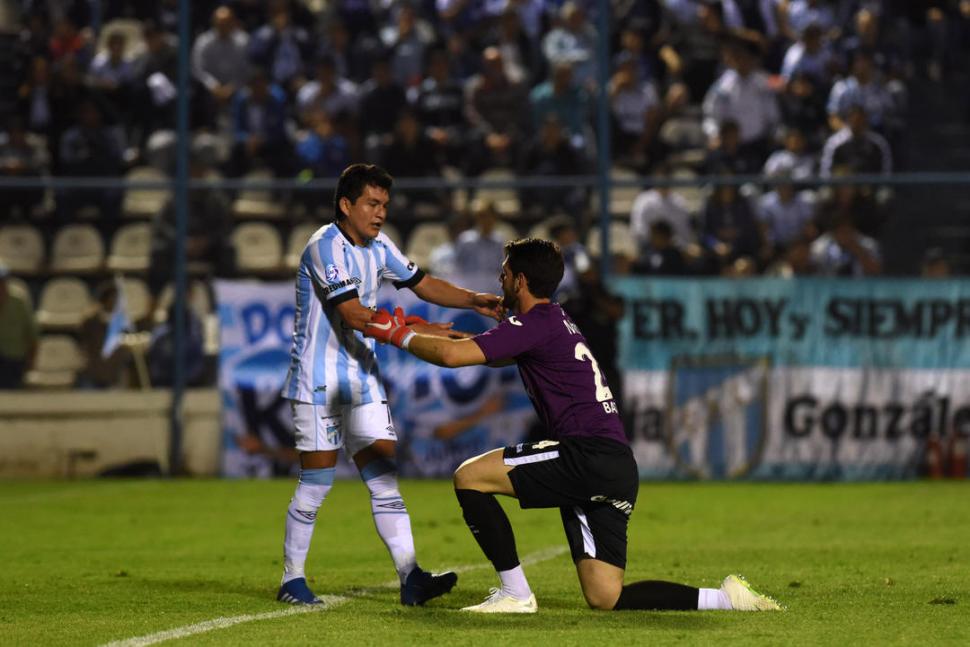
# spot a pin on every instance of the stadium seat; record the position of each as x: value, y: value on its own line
x: 138, y: 298
x: 424, y: 239
x: 257, y: 203
x: 131, y: 28
x: 131, y: 248
x: 506, y: 200
x: 57, y: 363
x: 198, y: 300
x: 20, y: 288
x: 22, y: 249
x: 506, y: 231
x: 63, y: 303
x: 77, y: 249
x: 296, y: 241
x: 144, y: 203
x: 621, y: 197
x: 622, y: 242
x: 393, y: 233
x: 258, y: 247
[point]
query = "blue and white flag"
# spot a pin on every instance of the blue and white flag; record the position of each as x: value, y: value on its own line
x: 119, y: 323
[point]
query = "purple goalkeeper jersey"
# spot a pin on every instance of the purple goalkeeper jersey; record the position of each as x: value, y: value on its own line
x: 560, y: 373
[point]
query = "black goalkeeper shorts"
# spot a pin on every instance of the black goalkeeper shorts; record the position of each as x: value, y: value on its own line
x: 592, y: 481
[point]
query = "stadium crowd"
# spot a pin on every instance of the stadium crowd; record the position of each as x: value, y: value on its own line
x: 788, y: 89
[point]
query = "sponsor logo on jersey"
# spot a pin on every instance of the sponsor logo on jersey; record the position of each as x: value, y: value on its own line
x: 333, y: 287
x: 332, y: 273
x: 411, y: 265
x: 515, y: 322
x: 391, y: 432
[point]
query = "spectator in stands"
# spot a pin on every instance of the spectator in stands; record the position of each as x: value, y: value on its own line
x: 68, y: 42
x: 794, y: 158
x: 113, y: 75
x: 693, y: 54
x: 442, y: 261
x: 478, y: 249
x: 100, y: 372
x: 730, y: 229
x: 322, y: 152
x: 406, y: 40
x: 561, y: 97
x: 810, y: 56
x: 637, y: 114
x: 208, y: 249
x: 161, y: 350
x: 496, y: 108
x: 799, y: 14
x: 219, y: 60
x: 868, y: 37
x: 439, y: 104
x: 18, y: 335
x: 856, y: 148
x: 281, y: 48
x: 381, y: 99
x: 518, y: 51
x: 156, y: 71
x: 802, y: 106
x: 34, y: 101
x: 742, y: 94
x: 845, y: 251
x: 352, y: 57
x: 660, y: 255
x: 785, y: 214
x: 795, y: 261
x: 259, y: 128
x: 327, y: 91
x: 550, y: 153
x: 661, y: 203
x: 562, y: 229
x: 20, y: 157
x: 727, y: 155
x: 411, y: 153
x: 572, y: 42
x: 935, y: 264
x: 91, y: 149
x: 862, y: 88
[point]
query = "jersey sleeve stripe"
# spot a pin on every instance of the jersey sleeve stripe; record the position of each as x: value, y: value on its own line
x: 411, y: 282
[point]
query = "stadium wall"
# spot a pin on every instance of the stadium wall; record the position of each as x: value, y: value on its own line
x: 87, y: 433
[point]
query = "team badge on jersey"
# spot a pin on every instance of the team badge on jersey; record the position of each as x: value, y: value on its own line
x: 332, y: 273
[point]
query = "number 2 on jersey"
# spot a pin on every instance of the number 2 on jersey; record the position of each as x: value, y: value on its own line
x: 603, y: 392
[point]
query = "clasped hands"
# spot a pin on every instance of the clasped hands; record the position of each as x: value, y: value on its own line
x: 397, y: 328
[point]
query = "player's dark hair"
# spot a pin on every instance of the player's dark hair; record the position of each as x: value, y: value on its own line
x: 353, y: 180
x: 540, y: 261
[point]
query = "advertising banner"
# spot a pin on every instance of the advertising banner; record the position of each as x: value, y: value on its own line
x: 808, y: 379
x: 442, y: 416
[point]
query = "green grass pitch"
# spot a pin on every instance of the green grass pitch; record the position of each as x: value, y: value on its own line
x: 91, y: 562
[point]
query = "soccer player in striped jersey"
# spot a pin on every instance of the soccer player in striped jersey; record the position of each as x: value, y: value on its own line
x: 585, y: 468
x: 334, y: 384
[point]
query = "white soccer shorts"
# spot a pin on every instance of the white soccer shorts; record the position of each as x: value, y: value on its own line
x: 323, y: 428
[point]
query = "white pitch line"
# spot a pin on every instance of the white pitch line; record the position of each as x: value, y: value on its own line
x: 329, y: 602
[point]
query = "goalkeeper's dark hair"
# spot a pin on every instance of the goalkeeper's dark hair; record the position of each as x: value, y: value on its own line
x: 540, y: 261
x: 353, y: 181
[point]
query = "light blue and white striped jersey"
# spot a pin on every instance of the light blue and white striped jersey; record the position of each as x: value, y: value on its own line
x: 331, y: 363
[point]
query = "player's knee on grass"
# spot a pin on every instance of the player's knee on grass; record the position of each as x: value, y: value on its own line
x: 602, y: 583
x: 602, y: 596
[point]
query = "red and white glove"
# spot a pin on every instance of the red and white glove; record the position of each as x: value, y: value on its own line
x: 389, y: 329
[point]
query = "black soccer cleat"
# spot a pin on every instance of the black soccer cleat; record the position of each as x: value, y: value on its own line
x: 421, y: 586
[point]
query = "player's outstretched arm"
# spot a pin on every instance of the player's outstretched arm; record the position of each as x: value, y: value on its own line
x: 390, y: 328
x: 354, y: 313
x: 442, y: 293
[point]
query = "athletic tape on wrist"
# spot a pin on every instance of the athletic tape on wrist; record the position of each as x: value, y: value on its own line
x: 407, y: 340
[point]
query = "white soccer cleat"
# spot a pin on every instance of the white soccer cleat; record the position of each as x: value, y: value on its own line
x: 500, y: 602
x: 745, y: 598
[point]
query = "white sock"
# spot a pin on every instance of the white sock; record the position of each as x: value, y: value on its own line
x: 390, y: 514
x: 301, y: 516
x: 514, y: 583
x: 713, y: 599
